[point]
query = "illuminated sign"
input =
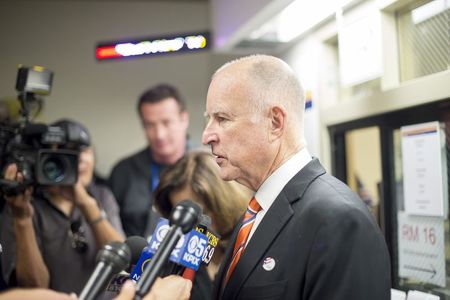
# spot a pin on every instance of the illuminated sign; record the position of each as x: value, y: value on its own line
x: 153, y: 46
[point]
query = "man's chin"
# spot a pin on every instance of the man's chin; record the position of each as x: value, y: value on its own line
x: 161, y: 155
x: 162, y: 151
x: 227, y: 175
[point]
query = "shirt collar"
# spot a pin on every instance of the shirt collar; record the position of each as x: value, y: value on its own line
x: 273, y: 185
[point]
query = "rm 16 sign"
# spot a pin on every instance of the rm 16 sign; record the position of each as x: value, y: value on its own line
x: 421, y: 248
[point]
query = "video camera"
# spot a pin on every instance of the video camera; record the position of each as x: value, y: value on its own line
x: 44, y: 154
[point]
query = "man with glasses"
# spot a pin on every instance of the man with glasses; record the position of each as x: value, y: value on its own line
x: 51, y: 235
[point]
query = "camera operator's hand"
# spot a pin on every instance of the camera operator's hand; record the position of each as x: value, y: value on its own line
x: 103, y: 231
x: 20, y: 204
x: 78, y: 195
x: 31, y: 270
x: 81, y: 196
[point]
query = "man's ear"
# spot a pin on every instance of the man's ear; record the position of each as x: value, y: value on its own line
x: 277, y: 116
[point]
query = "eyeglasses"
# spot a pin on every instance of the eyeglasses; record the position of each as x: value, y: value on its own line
x: 77, y: 234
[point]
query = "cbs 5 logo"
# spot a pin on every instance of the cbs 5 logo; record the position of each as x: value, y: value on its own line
x: 196, y: 246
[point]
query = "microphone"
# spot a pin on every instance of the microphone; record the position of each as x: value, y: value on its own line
x: 182, y: 219
x: 204, y: 227
x: 178, y: 260
x: 136, y: 244
x: 188, y: 252
x: 112, y: 258
x: 185, y: 271
x: 143, y: 261
x: 212, y: 241
x: 203, y: 224
x: 183, y: 268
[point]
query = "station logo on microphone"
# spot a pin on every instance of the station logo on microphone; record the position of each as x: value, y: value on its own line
x: 189, y: 249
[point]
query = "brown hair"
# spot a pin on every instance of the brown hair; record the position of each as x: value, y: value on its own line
x: 225, y: 200
x: 159, y: 93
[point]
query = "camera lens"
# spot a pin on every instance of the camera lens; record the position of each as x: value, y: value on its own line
x: 56, y: 167
x: 53, y: 169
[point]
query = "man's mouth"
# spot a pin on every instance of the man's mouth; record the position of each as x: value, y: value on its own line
x: 219, y: 158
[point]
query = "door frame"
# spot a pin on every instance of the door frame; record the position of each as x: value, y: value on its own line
x: 387, y: 123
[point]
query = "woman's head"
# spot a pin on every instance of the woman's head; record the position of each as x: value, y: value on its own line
x: 196, y: 177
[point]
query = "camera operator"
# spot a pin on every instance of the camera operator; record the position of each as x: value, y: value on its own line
x: 51, y: 234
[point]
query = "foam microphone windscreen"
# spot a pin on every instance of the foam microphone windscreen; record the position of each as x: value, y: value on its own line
x: 136, y: 244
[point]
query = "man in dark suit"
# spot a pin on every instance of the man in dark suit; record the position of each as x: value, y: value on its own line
x: 306, y: 235
x: 165, y: 121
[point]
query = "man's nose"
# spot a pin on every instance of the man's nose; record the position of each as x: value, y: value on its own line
x: 159, y: 132
x: 208, y: 135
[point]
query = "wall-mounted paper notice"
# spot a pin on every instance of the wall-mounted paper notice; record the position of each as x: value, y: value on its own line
x: 423, y: 169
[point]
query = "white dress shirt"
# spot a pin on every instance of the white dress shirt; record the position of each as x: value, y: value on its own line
x: 273, y: 185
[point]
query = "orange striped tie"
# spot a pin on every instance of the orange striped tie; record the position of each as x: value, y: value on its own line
x: 247, y: 224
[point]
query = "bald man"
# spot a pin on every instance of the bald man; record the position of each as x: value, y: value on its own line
x: 306, y: 235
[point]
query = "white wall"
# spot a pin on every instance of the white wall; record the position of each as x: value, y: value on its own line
x: 61, y: 35
x: 313, y: 59
x: 232, y: 20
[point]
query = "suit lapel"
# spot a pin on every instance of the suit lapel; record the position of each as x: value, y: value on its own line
x: 274, y: 220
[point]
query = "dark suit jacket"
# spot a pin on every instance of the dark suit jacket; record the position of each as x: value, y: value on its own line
x: 130, y: 182
x: 325, y: 244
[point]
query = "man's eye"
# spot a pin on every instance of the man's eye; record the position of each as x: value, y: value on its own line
x: 221, y: 119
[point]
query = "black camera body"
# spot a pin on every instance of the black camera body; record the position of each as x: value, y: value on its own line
x: 44, y: 154
x: 40, y: 153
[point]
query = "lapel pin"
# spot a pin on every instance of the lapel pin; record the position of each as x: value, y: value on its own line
x: 269, y: 264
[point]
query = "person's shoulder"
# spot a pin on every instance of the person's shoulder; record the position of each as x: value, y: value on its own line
x: 135, y: 158
x: 329, y: 184
x: 328, y: 196
x: 101, y: 192
x: 142, y: 153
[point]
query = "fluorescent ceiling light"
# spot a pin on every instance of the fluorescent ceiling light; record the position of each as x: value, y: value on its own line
x: 297, y: 18
x: 302, y: 15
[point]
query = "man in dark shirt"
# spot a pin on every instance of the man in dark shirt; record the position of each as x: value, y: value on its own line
x: 165, y: 121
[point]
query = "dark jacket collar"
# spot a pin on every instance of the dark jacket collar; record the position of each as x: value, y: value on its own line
x: 275, y: 219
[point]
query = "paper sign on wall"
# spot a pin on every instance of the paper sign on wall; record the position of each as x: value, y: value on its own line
x: 423, y: 173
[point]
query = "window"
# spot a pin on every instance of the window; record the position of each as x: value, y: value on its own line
x: 424, y: 41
